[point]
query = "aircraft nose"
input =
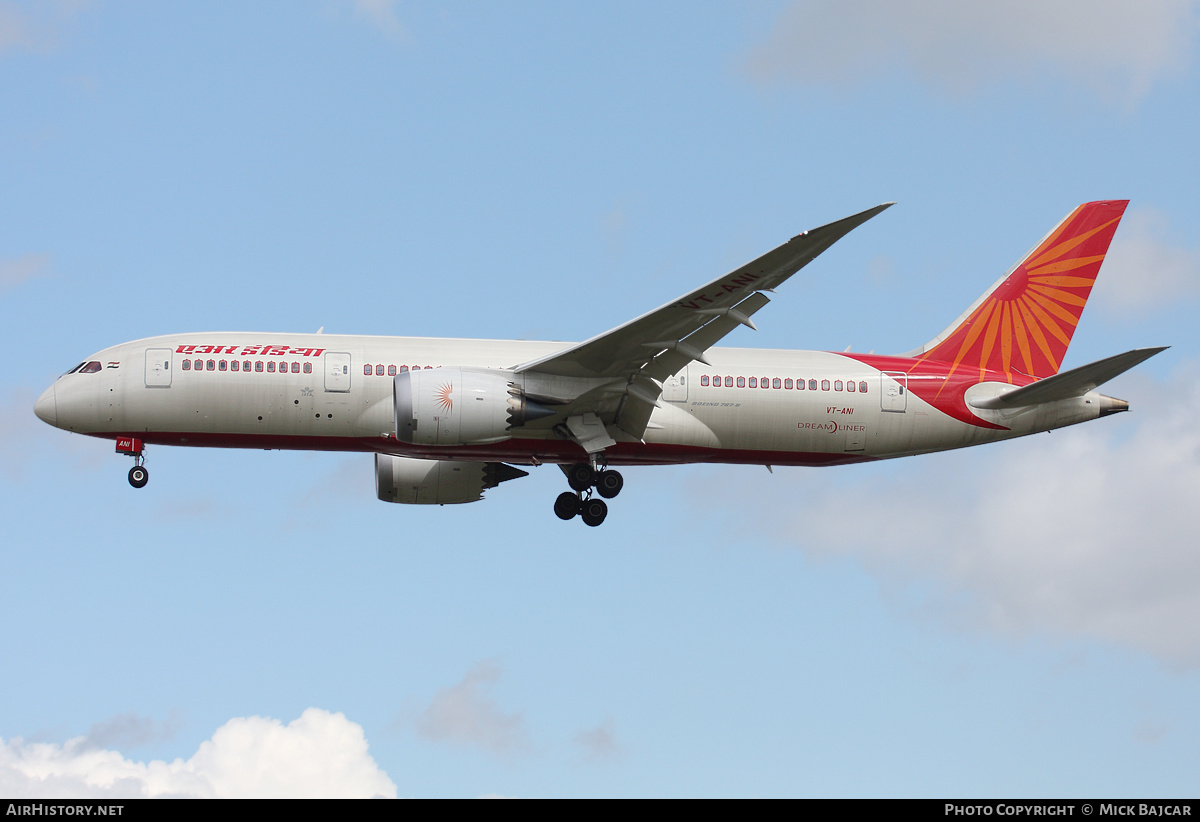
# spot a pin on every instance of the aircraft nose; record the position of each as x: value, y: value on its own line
x: 47, y: 407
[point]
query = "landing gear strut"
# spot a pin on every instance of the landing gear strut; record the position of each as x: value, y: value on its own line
x: 132, y: 447
x: 583, y: 479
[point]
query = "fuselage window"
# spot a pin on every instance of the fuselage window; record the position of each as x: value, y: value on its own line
x: 741, y: 382
x: 775, y: 383
x: 404, y: 368
x: 379, y: 371
x: 824, y: 385
x: 199, y: 365
x: 367, y: 370
x: 787, y: 384
x: 258, y: 365
x: 308, y: 368
x: 187, y: 365
x: 271, y: 366
x: 764, y: 382
x: 245, y: 365
x: 222, y: 365
x: 295, y: 368
x: 704, y: 379
x: 729, y: 382
x: 862, y: 387
x: 391, y: 370
x: 850, y: 386
x: 837, y: 385
x: 211, y: 365
x: 428, y: 367
x: 812, y: 385
x: 753, y: 383
x: 234, y: 365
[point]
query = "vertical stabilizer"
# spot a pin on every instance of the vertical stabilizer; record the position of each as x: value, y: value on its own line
x: 1024, y: 323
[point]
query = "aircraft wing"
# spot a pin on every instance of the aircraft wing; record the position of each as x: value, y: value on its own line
x: 660, y: 343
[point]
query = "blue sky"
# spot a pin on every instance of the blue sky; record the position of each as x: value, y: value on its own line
x: 1019, y: 619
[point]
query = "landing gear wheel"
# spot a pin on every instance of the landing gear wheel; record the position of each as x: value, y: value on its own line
x: 594, y: 512
x: 138, y: 476
x: 609, y: 484
x: 581, y: 477
x: 567, y: 505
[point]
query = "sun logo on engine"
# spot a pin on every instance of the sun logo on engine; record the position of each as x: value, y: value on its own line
x: 443, y: 396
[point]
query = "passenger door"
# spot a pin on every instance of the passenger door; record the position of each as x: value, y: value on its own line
x: 158, y: 368
x: 337, y: 372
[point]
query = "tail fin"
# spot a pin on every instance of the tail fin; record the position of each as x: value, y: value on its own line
x: 1025, y: 321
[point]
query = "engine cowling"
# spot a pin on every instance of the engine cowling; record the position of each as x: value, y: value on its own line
x: 460, y: 406
x: 437, y: 482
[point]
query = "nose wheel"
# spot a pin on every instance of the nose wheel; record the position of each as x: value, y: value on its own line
x: 138, y: 476
x: 584, y: 479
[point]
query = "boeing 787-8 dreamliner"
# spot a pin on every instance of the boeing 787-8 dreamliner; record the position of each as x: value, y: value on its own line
x: 448, y: 419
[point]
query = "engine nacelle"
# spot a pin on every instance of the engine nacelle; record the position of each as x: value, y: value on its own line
x: 460, y: 406
x: 437, y: 482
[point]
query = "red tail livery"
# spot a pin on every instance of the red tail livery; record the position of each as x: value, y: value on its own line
x: 1024, y: 323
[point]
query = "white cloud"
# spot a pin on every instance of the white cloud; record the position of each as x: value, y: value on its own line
x: 321, y: 754
x: 15, y: 272
x: 465, y: 714
x: 25, y: 435
x: 382, y: 15
x: 1145, y: 269
x: 35, y: 27
x: 600, y: 742
x: 131, y: 730
x: 15, y: 29
x: 1088, y: 532
x: 1118, y: 47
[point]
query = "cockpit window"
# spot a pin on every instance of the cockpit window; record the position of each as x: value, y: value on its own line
x: 90, y: 368
x: 76, y: 368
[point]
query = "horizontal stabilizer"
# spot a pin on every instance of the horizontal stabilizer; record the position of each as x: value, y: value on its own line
x: 1073, y: 383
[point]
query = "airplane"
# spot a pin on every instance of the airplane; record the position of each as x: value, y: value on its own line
x: 448, y: 419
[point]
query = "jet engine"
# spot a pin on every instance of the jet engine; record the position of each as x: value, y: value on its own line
x: 461, y: 406
x: 437, y: 482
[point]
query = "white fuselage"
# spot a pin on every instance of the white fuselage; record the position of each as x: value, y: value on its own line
x: 327, y: 392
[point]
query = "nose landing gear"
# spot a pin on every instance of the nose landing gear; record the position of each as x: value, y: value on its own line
x: 138, y: 476
x: 583, y: 479
x: 132, y: 447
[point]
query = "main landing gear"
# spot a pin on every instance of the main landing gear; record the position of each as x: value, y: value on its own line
x: 584, y: 479
x: 132, y: 447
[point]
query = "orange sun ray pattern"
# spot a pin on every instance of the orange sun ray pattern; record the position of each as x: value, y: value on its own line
x: 444, y: 398
x: 1025, y: 324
